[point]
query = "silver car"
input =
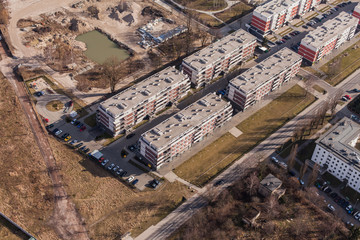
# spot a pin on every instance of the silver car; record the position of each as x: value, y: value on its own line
x: 111, y: 166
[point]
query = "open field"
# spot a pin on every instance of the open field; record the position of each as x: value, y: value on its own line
x: 109, y: 207
x: 236, y: 11
x: 26, y: 194
x: 204, y: 5
x: 205, y: 19
x: 218, y: 155
x: 342, y: 65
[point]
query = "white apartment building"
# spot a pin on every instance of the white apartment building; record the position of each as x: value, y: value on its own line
x: 256, y: 82
x: 220, y: 56
x: 335, y: 150
x: 129, y: 107
x: 178, y: 133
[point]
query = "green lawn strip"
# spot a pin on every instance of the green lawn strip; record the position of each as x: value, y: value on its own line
x: 110, y: 139
x: 319, y: 89
x: 288, y: 30
x: 299, y: 24
x: 203, y: 5
x: 345, y: 64
x: 324, y: 9
x: 218, y: 155
x: 91, y: 120
x: 332, y: 179
x: 312, y: 16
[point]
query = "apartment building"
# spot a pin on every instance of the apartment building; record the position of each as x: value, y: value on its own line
x: 327, y: 37
x: 178, y: 133
x: 356, y: 12
x: 272, y: 15
x: 252, y: 85
x: 220, y: 56
x: 336, y: 151
x: 129, y: 107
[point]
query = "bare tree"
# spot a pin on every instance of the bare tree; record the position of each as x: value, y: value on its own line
x: 308, y: 84
x: 4, y: 15
x: 252, y: 183
x: 93, y: 11
x: 303, y: 170
x: 272, y: 205
x: 334, y: 100
x: 313, y: 176
x: 292, y: 157
x: 111, y: 70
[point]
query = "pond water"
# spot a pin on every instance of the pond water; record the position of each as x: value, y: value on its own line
x: 100, y: 47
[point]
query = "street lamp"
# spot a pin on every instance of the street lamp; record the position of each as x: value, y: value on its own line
x: 356, y: 202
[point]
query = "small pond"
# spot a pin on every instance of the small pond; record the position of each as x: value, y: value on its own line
x: 100, y: 47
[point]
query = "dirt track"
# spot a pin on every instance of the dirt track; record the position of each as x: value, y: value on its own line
x: 65, y: 220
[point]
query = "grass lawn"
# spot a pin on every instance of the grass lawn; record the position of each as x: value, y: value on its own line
x: 351, y: 194
x: 299, y: 24
x: 91, y: 120
x: 54, y: 105
x: 313, y: 71
x: 312, y: 16
x: 110, y: 139
x: 204, y: 5
x: 236, y: 11
x: 324, y: 9
x: 207, y: 19
x: 109, y: 207
x: 319, y: 89
x: 342, y: 65
x: 218, y: 155
x: 330, y: 178
x: 286, y: 31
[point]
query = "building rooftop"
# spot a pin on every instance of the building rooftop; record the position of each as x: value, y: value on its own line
x: 254, y: 77
x: 329, y: 29
x: 184, y: 121
x: 271, y: 182
x: 144, y: 91
x: 270, y: 8
x: 357, y: 8
x: 219, y: 49
x: 341, y: 140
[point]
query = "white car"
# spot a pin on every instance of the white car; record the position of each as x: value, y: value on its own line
x: 73, y: 121
x: 58, y: 132
x: 130, y: 178
x: 357, y: 215
x: 331, y: 207
x: 105, y: 162
x: 274, y: 159
x: 111, y: 166
x: 283, y: 165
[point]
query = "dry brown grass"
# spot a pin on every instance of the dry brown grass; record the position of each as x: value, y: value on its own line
x: 25, y: 191
x: 109, y: 208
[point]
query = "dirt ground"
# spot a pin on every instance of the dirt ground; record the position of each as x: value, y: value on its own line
x: 109, y: 208
x: 26, y: 195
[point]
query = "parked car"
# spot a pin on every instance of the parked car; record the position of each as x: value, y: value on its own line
x: 131, y: 148
x: 49, y: 126
x: 356, y: 90
x: 130, y: 178
x: 86, y: 150
x: 123, y: 174
x: 344, y: 99
x: 79, y: 145
x: 111, y: 166
x: 286, y: 37
x: 104, y: 162
x: 64, y: 135
x: 82, y: 128
x: 328, y: 190
x: 118, y: 172
x: 73, y: 121
x: 130, y: 135
x: 80, y: 125
x: 39, y: 93
x: 292, y: 173
x: 283, y: 165
x: 333, y: 195
x: 274, y: 159
x: 331, y: 207
x: 73, y: 142
x: 76, y: 123
x: 67, y: 138
x: 82, y: 148
x: 58, y: 132
x: 135, y: 181
x: 348, y: 97
x: 116, y: 168
x: 55, y: 130
x: 301, y: 181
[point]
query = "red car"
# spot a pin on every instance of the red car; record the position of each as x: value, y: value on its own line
x: 82, y: 128
x: 348, y: 97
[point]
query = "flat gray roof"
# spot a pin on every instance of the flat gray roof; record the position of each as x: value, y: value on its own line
x: 271, y: 182
x: 254, y: 77
x: 219, y: 49
x: 329, y: 29
x: 143, y: 91
x: 275, y: 6
x: 184, y: 121
x: 341, y: 140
